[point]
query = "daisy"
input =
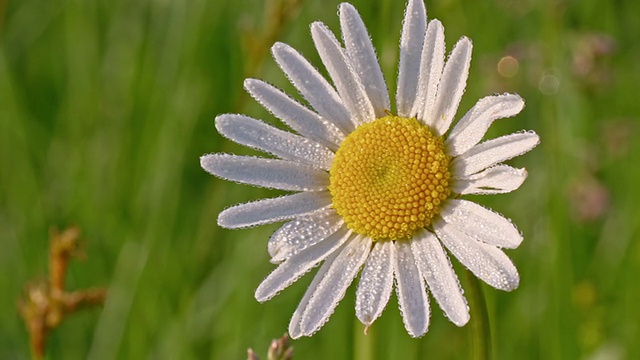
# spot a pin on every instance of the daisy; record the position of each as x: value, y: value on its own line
x: 377, y: 191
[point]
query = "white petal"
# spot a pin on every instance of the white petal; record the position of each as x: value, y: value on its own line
x: 362, y: 56
x: 411, y: 40
x: 451, y: 86
x: 312, y: 86
x: 443, y: 283
x: 472, y: 127
x: 487, y: 262
x: 268, y: 173
x: 301, y: 233
x: 294, y: 323
x: 492, y: 152
x: 411, y: 290
x: 498, y: 179
x: 344, y: 78
x: 331, y: 289
x: 481, y: 223
x: 258, y: 135
x: 273, y: 210
x: 299, y: 118
x: 430, y: 72
x: 376, y: 283
x: 296, y: 266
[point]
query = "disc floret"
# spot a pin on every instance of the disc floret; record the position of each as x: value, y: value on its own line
x: 389, y: 178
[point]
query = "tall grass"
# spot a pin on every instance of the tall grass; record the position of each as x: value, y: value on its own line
x: 105, y: 107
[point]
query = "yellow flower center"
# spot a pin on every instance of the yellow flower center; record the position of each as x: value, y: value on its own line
x: 389, y: 178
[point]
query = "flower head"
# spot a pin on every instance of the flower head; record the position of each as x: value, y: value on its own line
x: 377, y: 191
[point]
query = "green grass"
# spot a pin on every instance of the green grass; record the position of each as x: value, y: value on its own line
x: 105, y: 107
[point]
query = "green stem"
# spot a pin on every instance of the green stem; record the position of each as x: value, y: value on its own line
x: 363, y: 343
x: 480, y: 331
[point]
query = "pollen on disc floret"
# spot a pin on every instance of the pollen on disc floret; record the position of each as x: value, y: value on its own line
x: 389, y: 178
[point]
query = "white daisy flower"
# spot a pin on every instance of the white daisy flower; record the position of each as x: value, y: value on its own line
x: 374, y: 190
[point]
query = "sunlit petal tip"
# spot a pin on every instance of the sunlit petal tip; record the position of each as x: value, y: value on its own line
x: 222, y: 122
x: 463, y: 49
x: 536, y: 136
x: 204, y: 162
x: 294, y: 334
x: 344, y: 7
x: 463, y: 320
x: 415, y: 8
x: 220, y: 118
x: 249, y: 83
x: 513, y: 284
x: 318, y: 26
x: 516, y: 99
x: 224, y: 222
x: 278, y: 46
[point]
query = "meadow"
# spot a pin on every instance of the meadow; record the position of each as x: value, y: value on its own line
x: 106, y: 107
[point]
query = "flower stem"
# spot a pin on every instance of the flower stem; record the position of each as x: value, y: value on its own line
x: 480, y: 330
x: 363, y: 342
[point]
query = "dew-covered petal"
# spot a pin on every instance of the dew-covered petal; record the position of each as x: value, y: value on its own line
x: 273, y: 210
x: 411, y: 40
x: 487, y: 262
x: 481, y: 223
x: 431, y: 66
x: 312, y: 86
x: 492, y: 152
x: 345, y: 79
x: 299, y: 264
x: 268, y: 173
x: 472, y: 127
x: 362, y: 56
x: 301, y: 233
x: 451, y: 86
x: 498, y: 179
x: 411, y: 290
x: 376, y: 283
x: 331, y: 289
x: 294, y: 323
x: 443, y: 283
x: 283, y: 144
x: 298, y: 117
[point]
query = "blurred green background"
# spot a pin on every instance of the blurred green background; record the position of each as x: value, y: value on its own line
x: 106, y: 106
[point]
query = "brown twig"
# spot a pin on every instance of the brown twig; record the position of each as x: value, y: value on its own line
x: 45, y: 304
x: 280, y: 349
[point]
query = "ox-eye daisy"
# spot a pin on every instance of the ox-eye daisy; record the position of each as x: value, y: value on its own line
x: 376, y: 190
